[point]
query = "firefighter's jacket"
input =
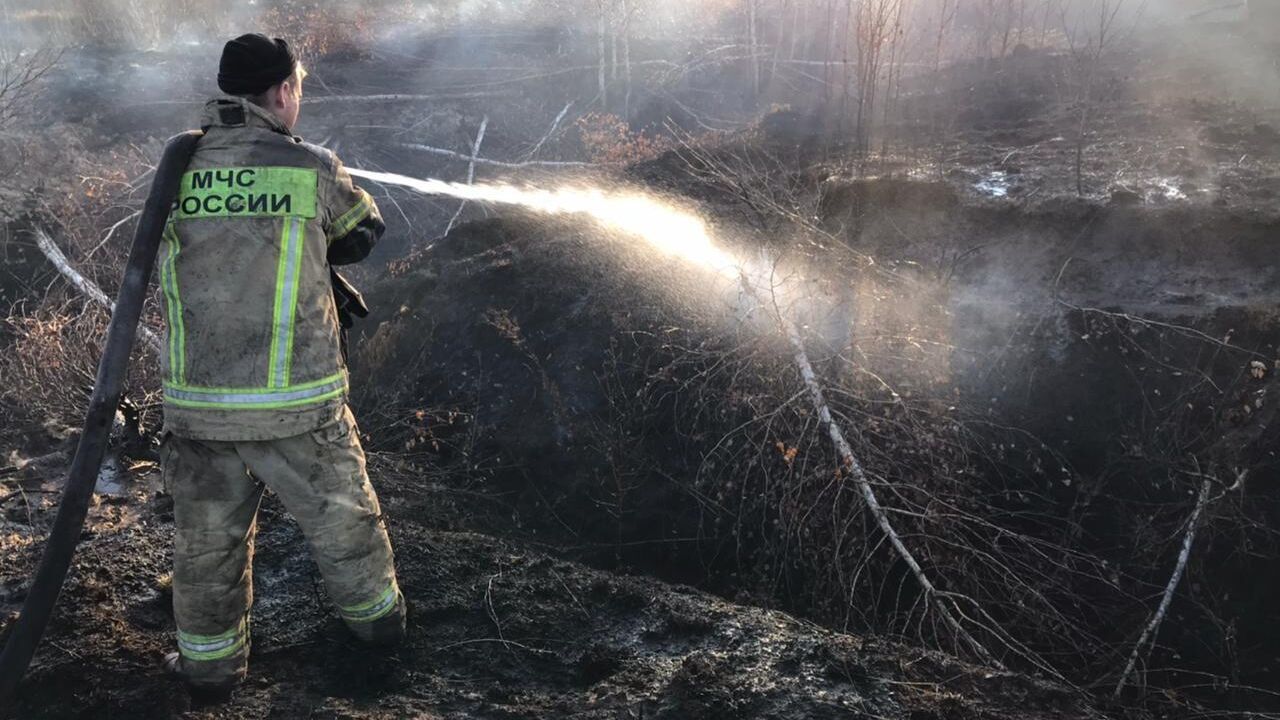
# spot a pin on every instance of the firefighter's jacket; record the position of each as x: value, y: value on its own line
x: 252, y: 344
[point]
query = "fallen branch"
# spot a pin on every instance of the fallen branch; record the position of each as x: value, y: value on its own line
x: 858, y: 474
x: 1210, y: 11
x: 323, y: 99
x: 505, y: 643
x: 21, y: 464
x: 1149, y: 322
x: 555, y: 124
x: 853, y: 468
x: 85, y: 285
x: 471, y: 172
x: 701, y: 120
x: 492, y: 163
x: 112, y: 231
x: 475, y: 150
x: 1148, y: 633
x: 442, y: 69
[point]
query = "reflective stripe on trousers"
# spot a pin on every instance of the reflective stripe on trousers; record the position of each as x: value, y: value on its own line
x: 208, y: 648
x: 375, y: 609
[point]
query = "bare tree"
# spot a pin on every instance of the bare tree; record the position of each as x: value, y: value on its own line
x: 753, y: 44
x: 20, y: 76
x: 874, y: 25
x: 947, y: 10
x: 1089, y: 33
x: 1012, y: 16
x: 898, y: 49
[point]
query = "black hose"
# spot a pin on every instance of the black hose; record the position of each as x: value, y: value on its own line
x: 27, y: 630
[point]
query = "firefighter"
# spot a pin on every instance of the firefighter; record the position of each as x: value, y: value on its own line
x: 255, y: 383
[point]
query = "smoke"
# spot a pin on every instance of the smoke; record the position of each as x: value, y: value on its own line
x: 802, y: 49
x: 536, y: 68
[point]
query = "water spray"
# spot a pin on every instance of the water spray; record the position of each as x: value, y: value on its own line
x: 685, y: 236
x: 665, y: 228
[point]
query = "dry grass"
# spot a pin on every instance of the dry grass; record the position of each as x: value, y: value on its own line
x: 47, y: 373
x: 86, y: 202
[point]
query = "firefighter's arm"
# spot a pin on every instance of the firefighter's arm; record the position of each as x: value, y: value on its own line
x: 353, y: 221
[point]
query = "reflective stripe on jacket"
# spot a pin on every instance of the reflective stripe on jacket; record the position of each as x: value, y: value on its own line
x: 252, y: 345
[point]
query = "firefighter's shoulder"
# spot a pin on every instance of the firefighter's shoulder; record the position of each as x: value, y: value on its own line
x: 328, y: 159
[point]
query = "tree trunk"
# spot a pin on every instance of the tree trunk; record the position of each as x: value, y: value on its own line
x: 779, y: 36
x: 613, y: 52
x: 753, y: 41
x: 798, y: 28
x: 626, y: 57
x: 602, y: 75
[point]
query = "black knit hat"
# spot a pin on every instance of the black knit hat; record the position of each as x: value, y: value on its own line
x: 254, y: 63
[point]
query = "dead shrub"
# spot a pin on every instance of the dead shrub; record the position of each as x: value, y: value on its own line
x: 374, y: 352
x: 609, y: 140
x: 87, y: 202
x: 47, y: 373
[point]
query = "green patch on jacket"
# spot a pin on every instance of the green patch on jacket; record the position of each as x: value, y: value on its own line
x: 247, y: 192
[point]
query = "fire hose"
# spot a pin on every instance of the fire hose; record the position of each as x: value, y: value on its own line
x: 26, y: 631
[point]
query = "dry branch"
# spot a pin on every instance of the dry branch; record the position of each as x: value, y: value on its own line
x: 326, y: 99
x: 1149, y: 632
x: 555, y: 124
x: 471, y: 172
x: 20, y: 76
x: 85, y: 285
x: 112, y: 231
x: 854, y: 469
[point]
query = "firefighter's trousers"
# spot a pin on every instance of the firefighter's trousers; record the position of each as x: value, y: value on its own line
x: 320, y: 478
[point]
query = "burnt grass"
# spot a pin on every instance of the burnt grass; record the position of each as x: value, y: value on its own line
x: 497, y: 630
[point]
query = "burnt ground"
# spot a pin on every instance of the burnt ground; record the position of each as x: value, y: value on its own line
x: 1090, y: 349
x: 521, y: 382
x: 497, y: 630
x: 485, y: 374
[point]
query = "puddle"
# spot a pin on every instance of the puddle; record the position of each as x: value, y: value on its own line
x: 1166, y: 189
x: 996, y: 184
x: 112, y: 479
